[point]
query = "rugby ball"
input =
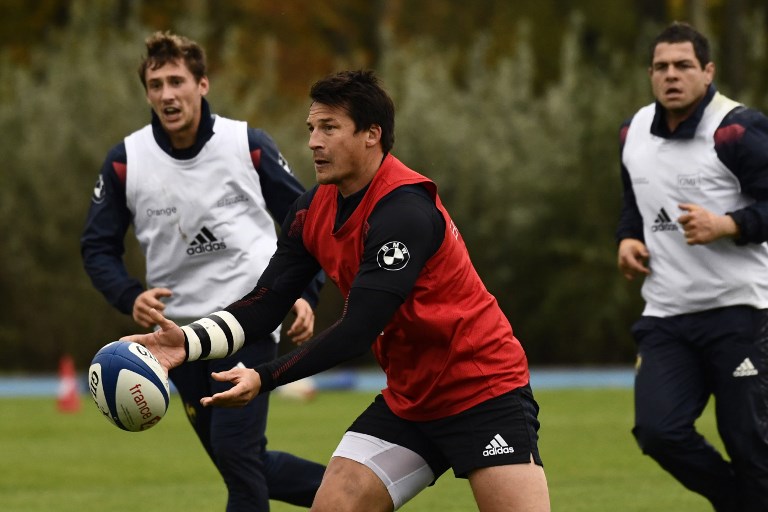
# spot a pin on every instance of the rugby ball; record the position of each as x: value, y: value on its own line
x: 129, y: 386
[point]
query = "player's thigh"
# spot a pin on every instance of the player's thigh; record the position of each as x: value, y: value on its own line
x: 351, y: 486
x: 740, y: 364
x: 400, y: 472
x: 671, y: 386
x: 191, y: 382
x: 518, y: 487
x: 403, y: 458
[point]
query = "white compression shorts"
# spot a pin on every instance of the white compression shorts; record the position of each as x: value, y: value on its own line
x: 404, y: 472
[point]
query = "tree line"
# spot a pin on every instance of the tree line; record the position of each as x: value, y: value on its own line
x: 523, y: 145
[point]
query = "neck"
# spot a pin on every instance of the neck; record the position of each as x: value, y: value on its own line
x: 186, y: 138
x: 183, y: 140
x: 676, y: 117
x: 369, y: 169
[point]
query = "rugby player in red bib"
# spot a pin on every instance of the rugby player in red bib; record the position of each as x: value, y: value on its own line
x: 457, y: 393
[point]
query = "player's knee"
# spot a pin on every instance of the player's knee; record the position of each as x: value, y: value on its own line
x: 349, y: 487
x: 652, y: 439
x: 233, y: 460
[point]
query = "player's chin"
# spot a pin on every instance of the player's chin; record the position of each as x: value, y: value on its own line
x: 324, y: 177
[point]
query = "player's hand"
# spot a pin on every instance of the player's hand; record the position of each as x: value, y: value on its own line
x: 303, y: 326
x: 247, y: 384
x: 633, y: 258
x: 701, y: 226
x: 166, y: 343
x: 145, y: 302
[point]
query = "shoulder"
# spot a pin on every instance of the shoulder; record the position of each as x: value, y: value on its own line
x: 646, y: 114
x: 409, y: 215
x: 408, y: 194
x: 225, y: 127
x: 117, y: 154
x: 259, y: 139
x: 624, y: 128
x: 116, y: 164
x: 303, y: 202
x: 739, y: 124
x: 745, y: 116
x: 412, y: 204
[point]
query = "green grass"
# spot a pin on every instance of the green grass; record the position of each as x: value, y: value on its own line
x: 78, y: 462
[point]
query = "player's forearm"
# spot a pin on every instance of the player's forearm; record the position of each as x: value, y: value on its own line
x: 110, y: 277
x: 223, y: 333
x: 752, y: 223
x: 367, y: 313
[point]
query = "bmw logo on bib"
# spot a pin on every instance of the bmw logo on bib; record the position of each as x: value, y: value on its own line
x: 393, y: 256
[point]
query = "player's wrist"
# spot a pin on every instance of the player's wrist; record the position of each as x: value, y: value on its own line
x: 729, y: 227
x: 266, y: 382
x: 216, y: 336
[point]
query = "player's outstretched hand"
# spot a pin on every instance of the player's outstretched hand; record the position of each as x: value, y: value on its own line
x: 166, y: 343
x: 247, y: 384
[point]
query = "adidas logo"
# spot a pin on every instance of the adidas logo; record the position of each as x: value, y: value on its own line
x: 205, y: 242
x: 745, y: 369
x: 663, y: 222
x: 497, y: 446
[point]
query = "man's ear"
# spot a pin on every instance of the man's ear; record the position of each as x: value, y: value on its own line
x: 374, y: 135
x: 204, y: 86
x: 710, y: 70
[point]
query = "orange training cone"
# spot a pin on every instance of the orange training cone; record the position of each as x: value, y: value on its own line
x: 69, y: 398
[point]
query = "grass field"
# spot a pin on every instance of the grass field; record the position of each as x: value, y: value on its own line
x: 78, y: 462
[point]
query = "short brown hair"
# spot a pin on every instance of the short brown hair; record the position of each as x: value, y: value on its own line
x: 165, y: 47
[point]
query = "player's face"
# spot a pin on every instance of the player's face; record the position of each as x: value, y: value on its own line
x: 678, y: 80
x: 342, y: 157
x: 176, y: 98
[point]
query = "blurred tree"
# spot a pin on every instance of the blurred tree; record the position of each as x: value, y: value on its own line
x: 531, y: 179
x: 61, y: 113
x: 25, y: 24
x: 312, y: 38
x: 734, y: 58
x: 512, y: 107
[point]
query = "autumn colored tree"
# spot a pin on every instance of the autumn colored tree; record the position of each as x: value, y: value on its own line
x: 512, y: 107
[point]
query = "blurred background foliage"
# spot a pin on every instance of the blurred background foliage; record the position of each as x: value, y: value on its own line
x: 512, y: 107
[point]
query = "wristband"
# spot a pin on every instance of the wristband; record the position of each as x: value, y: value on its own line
x: 214, y: 337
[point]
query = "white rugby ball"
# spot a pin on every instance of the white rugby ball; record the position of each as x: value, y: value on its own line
x: 129, y: 386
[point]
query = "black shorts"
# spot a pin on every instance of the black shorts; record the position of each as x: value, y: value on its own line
x: 497, y: 432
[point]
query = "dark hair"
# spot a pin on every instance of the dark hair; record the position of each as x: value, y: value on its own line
x: 165, y: 47
x: 681, y: 32
x: 359, y: 93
